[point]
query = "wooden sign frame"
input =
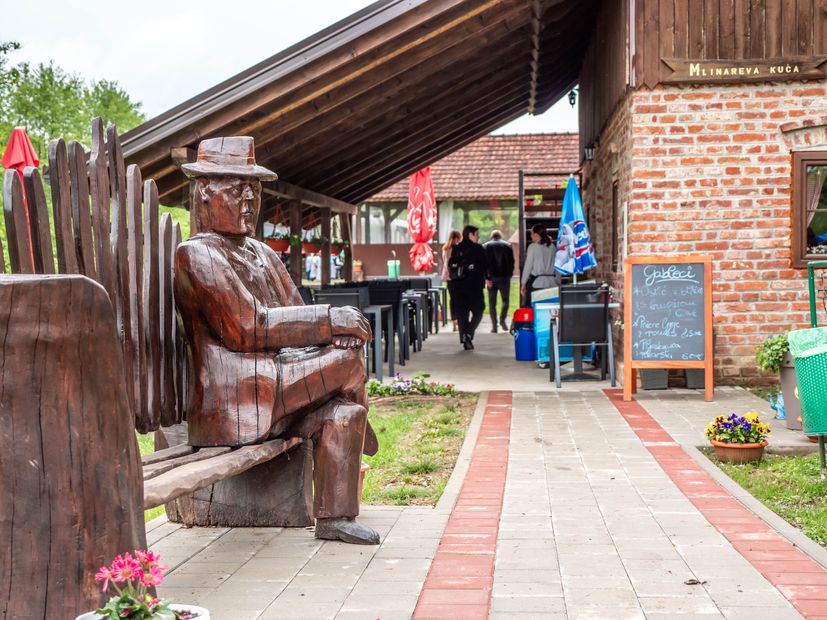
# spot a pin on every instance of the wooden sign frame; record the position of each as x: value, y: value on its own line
x: 630, y: 365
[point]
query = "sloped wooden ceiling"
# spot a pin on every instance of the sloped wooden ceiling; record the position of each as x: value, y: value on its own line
x: 380, y: 94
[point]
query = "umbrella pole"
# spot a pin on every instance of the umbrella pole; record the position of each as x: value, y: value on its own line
x: 821, y: 457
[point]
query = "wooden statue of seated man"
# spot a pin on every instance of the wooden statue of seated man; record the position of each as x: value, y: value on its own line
x: 265, y: 364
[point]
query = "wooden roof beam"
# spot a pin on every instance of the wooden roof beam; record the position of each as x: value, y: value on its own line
x: 327, y: 157
x: 350, y: 98
x: 286, y: 190
x: 478, y: 127
x: 535, y: 53
x: 251, y: 102
x: 426, y: 131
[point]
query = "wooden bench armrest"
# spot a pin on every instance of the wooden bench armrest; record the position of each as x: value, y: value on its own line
x: 156, y: 469
x: 190, y: 476
x: 166, y: 454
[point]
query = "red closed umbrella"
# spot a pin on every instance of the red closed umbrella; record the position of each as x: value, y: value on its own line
x: 20, y: 154
x: 421, y: 220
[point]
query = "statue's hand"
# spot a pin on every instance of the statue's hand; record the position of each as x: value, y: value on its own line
x: 347, y: 323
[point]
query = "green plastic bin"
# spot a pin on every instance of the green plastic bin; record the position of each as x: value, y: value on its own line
x: 809, y: 350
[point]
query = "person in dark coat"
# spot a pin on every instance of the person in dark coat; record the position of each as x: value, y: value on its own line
x: 468, y: 269
x: 500, y: 260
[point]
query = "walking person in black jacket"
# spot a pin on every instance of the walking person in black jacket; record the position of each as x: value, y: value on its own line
x: 468, y: 269
x: 499, y: 258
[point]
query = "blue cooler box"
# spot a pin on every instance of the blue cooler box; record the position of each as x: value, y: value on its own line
x: 542, y: 333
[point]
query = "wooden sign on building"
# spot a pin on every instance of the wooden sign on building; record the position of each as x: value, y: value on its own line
x: 689, y: 71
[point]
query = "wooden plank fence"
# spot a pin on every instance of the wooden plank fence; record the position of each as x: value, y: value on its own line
x: 106, y: 226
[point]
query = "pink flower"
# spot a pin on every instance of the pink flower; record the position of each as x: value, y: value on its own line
x: 148, y: 559
x: 125, y: 568
x: 155, y: 576
x: 104, y: 575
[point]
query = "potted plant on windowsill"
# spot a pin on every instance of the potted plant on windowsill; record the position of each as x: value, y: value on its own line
x: 738, y: 439
x: 131, y: 579
x: 773, y: 355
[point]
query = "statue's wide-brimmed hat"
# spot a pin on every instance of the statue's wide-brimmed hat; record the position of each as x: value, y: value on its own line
x: 228, y: 157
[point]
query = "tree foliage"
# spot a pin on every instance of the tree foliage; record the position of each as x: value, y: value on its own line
x: 50, y: 103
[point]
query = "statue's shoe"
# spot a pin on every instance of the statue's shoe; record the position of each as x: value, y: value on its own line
x: 347, y: 530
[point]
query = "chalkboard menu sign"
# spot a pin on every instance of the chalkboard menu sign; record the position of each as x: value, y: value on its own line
x: 667, y: 316
x: 668, y: 312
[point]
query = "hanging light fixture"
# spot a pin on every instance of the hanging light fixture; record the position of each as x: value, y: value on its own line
x: 573, y: 97
x: 589, y: 150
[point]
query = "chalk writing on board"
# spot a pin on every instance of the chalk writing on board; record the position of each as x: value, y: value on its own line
x: 668, y: 312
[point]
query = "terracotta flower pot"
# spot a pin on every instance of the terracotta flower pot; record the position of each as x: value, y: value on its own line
x: 738, y: 452
x: 279, y: 245
x: 310, y: 248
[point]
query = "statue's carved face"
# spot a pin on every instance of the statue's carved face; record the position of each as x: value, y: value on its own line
x: 228, y: 205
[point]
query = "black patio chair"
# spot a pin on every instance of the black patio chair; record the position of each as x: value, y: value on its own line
x: 583, y: 320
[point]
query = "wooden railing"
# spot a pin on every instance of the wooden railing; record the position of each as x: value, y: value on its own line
x: 106, y: 227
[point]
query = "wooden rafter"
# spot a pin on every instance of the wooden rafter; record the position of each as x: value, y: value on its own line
x: 283, y: 189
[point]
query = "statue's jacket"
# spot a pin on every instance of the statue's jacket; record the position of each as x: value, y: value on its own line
x: 239, y: 308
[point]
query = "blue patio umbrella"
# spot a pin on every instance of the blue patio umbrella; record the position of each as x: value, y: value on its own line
x: 574, y: 247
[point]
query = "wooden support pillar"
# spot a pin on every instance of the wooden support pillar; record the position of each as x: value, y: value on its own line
x: 344, y: 220
x: 366, y: 236
x: 358, y: 236
x: 325, y: 217
x: 386, y: 213
x: 260, y: 228
x: 294, y: 208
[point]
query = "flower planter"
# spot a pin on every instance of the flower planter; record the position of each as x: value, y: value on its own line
x: 792, y: 406
x: 336, y: 248
x: 279, y: 245
x: 738, y: 452
x: 310, y: 248
x: 654, y: 378
x: 202, y: 614
x: 695, y: 378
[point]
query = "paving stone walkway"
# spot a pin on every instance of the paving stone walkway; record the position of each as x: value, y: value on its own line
x: 564, y: 504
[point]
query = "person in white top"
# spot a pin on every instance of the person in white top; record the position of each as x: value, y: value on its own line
x: 538, y: 271
x: 315, y: 269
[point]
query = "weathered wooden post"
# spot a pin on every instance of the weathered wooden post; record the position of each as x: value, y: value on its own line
x: 325, y: 217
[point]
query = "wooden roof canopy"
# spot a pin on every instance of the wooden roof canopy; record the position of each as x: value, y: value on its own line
x: 377, y: 96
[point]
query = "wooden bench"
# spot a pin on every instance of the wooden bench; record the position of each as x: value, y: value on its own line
x: 107, y: 227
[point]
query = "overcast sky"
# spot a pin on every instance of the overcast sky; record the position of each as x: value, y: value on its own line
x: 164, y: 52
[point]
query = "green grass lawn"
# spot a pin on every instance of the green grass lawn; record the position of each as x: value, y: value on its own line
x: 146, y: 445
x: 790, y: 486
x: 419, y: 440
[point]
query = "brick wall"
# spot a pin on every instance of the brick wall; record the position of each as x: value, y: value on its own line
x: 707, y: 170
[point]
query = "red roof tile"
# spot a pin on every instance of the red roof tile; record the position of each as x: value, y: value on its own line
x: 487, y: 169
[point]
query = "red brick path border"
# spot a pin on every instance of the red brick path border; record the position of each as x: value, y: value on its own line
x: 800, y: 579
x: 461, y: 577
